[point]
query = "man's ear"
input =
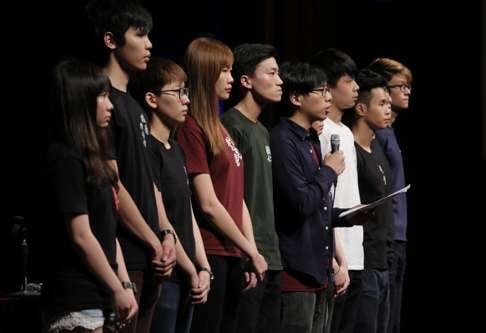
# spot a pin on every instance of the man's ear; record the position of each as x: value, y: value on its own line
x: 361, y: 109
x: 109, y: 40
x: 296, y: 99
x: 245, y: 81
x: 151, y: 100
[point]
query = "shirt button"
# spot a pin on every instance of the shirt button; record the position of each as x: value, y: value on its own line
x: 327, y: 247
x: 325, y: 207
x: 327, y: 228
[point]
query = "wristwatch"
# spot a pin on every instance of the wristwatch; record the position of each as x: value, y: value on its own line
x: 129, y: 285
x: 166, y: 232
x: 211, y: 275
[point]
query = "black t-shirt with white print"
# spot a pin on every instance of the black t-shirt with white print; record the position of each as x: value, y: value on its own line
x: 129, y: 130
x: 70, y: 285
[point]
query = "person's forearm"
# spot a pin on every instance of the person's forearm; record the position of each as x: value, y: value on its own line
x: 131, y: 216
x: 164, y: 222
x: 218, y: 215
x: 223, y: 221
x: 91, y: 252
x: 183, y: 260
x: 133, y: 220
x: 247, y: 226
x: 201, y: 258
x: 339, y: 255
x: 122, y: 268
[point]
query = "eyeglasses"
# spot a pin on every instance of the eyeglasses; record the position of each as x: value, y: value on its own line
x: 403, y: 87
x: 180, y: 92
x: 322, y: 91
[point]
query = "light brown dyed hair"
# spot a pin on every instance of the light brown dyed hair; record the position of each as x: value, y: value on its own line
x: 387, y: 68
x: 205, y: 59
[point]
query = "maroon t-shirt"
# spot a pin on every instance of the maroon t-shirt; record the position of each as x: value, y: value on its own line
x: 226, y: 172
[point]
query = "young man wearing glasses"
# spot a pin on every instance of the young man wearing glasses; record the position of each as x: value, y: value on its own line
x: 255, y: 70
x: 304, y: 216
x: 399, y: 79
x: 349, y: 263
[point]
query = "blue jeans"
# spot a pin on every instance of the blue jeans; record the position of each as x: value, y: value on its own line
x: 173, y: 311
x: 306, y: 312
x: 374, y: 307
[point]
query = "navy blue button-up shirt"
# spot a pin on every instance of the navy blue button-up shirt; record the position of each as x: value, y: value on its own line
x: 303, y: 202
x: 388, y: 141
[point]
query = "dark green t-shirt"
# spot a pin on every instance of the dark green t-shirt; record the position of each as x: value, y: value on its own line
x: 252, y: 140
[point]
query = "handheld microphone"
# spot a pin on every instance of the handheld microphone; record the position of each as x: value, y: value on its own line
x: 335, y: 141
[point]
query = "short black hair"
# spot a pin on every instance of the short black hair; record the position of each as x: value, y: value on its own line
x: 115, y: 16
x: 248, y: 56
x: 246, y: 59
x: 367, y: 81
x: 299, y: 78
x: 335, y: 63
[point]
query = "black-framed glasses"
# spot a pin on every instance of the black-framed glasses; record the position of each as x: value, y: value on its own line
x: 322, y: 91
x: 403, y: 87
x: 180, y: 92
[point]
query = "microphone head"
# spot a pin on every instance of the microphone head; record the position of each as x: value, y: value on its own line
x: 335, y: 141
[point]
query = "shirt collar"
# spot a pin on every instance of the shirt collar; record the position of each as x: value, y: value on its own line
x: 302, y: 133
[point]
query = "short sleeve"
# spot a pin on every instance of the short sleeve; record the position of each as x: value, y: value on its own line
x: 68, y: 183
x: 155, y: 160
x: 191, y: 140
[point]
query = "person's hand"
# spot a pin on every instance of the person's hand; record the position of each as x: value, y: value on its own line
x: 335, y: 161
x: 318, y: 125
x: 251, y: 281
x: 200, y: 291
x: 163, y: 262
x: 260, y: 265
x: 169, y: 257
x: 341, y: 280
x: 124, y: 305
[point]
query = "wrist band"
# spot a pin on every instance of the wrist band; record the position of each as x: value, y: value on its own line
x: 166, y: 232
x: 211, y: 275
x: 129, y: 285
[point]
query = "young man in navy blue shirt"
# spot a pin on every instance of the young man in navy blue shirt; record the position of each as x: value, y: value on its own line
x: 304, y: 215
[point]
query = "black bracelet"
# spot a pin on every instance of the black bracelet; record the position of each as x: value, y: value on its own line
x: 129, y: 285
x: 166, y: 232
x: 211, y: 275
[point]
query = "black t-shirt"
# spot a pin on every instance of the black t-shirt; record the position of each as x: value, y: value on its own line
x: 129, y: 131
x: 375, y: 181
x: 70, y: 285
x: 171, y: 179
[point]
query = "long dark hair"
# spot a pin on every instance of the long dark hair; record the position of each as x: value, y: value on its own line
x: 76, y: 86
